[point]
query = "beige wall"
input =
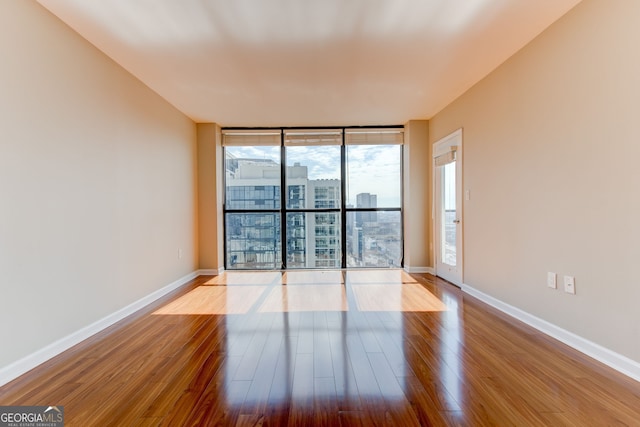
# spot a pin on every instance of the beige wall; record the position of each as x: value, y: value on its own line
x: 210, y: 194
x: 417, y: 196
x: 551, y: 160
x: 97, y: 184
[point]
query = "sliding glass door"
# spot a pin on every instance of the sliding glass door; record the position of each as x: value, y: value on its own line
x: 313, y: 198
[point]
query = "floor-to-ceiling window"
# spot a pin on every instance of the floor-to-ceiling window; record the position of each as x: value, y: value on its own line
x: 373, y: 167
x: 253, y: 200
x: 313, y: 159
x: 313, y: 198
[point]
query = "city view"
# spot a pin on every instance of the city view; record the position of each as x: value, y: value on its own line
x: 312, y: 211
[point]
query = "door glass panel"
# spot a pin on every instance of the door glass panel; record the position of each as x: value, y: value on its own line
x: 374, y: 239
x: 449, y: 214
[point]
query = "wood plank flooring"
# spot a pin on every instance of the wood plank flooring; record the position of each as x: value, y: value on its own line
x: 376, y: 347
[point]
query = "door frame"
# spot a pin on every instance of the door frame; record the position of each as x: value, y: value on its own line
x: 440, y: 147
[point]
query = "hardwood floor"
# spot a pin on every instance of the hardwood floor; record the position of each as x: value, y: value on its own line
x: 326, y: 348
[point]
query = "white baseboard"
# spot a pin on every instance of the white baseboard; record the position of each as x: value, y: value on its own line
x: 210, y: 271
x: 19, y: 367
x: 620, y: 363
x: 429, y: 270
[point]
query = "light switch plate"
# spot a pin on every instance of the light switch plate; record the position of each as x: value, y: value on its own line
x: 551, y: 280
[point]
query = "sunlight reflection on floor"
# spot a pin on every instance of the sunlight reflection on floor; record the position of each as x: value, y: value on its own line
x: 215, y: 300
x: 303, y: 291
x: 407, y: 297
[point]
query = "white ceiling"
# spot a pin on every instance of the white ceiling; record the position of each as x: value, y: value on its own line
x: 309, y: 62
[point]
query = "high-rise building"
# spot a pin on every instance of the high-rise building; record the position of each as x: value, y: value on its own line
x: 253, y: 238
x: 366, y: 200
x: 373, y: 238
x: 324, y: 229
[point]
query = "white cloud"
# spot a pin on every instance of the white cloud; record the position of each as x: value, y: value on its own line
x: 374, y: 169
x: 323, y: 161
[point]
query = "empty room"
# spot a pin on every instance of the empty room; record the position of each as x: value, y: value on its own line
x: 411, y: 212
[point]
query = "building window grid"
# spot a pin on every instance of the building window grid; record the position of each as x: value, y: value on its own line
x: 249, y: 252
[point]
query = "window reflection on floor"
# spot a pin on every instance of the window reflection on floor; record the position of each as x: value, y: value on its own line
x: 215, y: 300
x: 296, y: 336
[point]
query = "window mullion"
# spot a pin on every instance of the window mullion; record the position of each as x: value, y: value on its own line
x: 283, y: 203
x: 343, y: 201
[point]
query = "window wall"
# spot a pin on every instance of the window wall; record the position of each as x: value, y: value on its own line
x: 373, y: 166
x: 313, y: 159
x: 341, y: 205
x: 253, y: 226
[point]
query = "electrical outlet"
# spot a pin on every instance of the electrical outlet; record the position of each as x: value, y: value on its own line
x: 570, y: 284
x: 551, y: 280
x: 179, y: 253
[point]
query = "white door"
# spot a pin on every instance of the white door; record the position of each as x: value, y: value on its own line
x: 447, y: 166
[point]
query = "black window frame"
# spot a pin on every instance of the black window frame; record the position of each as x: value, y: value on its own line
x: 283, y: 210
